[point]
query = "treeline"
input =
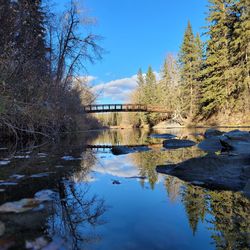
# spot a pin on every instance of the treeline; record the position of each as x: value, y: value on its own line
x: 41, y: 55
x: 206, y: 81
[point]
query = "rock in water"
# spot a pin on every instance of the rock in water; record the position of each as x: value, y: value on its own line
x: 237, y: 135
x: 222, y: 172
x: 211, y: 144
x: 175, y: 143
x: 211, y: 132
x: 162, y: 136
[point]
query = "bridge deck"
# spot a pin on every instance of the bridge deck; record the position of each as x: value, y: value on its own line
x: 102, y: 108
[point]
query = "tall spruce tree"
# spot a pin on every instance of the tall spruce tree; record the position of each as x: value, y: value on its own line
x: 216, y: 83
x: 141, y: 83
x: 151, y: 97
x: 240, y: 54
x: 190, y: 63
x: 150, y: 85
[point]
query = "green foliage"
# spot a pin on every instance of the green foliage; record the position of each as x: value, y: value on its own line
x: 212, y: 78
x: 190, y: 59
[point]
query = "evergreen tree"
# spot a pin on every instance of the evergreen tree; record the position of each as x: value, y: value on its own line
x: 240, y: 53
x: 141, y: 84
x: 169, y: 84
x: 189, y: 58
x: 150, y: 86
x: 216, y: 83
x: 151, y: 95
x: 31, y: 51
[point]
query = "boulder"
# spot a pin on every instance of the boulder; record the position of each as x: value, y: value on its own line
x: 211, y: 144
x: 175, y: 143
x: 211, y: 132
x: 212, y: 171
x: 238, y: 135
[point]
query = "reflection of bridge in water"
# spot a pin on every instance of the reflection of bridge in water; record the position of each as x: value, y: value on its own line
x: 102, y: 108
x: 102, y: 147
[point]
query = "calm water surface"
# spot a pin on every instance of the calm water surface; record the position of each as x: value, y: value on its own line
x: 103, y: 201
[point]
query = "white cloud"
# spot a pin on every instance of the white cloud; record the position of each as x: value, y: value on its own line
x: 117, y: 90
x: 87, y: 79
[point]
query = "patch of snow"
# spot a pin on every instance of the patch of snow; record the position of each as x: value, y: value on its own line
x: 4, y: 162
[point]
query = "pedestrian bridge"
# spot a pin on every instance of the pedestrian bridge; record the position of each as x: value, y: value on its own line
x: 102, y: 108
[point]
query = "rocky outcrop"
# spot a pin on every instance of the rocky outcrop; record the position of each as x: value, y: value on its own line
x: 228, y: 169
x: 236, y: 141
x: 211, y: 132
x: 221, y: 172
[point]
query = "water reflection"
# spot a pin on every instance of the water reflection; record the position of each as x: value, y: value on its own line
x: 75, y: 214
x: 147, y: 211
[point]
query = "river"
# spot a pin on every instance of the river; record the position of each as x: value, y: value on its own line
x: 103, y: 201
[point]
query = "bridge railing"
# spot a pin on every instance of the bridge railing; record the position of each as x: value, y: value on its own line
x: 100, y: 108
x: 95, y: 108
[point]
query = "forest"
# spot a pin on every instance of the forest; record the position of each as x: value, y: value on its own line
x: 43, y: 53
x: 208, y: 81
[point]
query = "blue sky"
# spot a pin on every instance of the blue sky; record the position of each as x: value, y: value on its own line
x: 136, y: 34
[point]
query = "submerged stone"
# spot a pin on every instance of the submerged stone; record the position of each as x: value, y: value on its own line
x: 175, y: 143
x: 163, y: 136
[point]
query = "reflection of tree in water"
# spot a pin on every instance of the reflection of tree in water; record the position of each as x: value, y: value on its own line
x: 231, y: 220
x: 88, y: 161
x: 122, y: 137
x: 173, y: 185
x: 147, y: 161
x: 230, y: 223
x: 75, y: 215
x: 194, y: 200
